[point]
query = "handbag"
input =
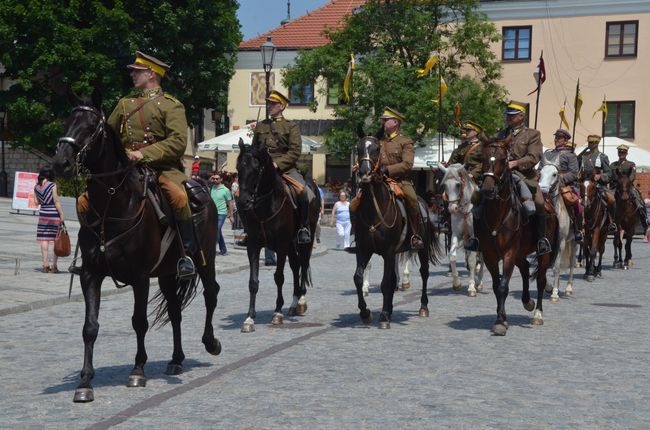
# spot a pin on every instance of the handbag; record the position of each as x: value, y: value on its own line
x: 62, y: 242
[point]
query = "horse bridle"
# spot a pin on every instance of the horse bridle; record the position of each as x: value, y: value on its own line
x: 374, y: 166
x: 99, y: 130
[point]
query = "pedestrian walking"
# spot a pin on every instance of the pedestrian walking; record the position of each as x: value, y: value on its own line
x: 223, y: 200
x: 341, y: 213
x: 647, y: 209
x: 50, y: 217
x: 320, y: 214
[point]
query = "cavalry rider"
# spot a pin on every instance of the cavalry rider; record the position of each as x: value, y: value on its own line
x: 595, y: 165
x: 563, y: 157
x: 396, y: 159
x: 524, y: 153
x: 152, y: 127
x: 470, y: 151
x: 282, y: 138
x: 624, y: 167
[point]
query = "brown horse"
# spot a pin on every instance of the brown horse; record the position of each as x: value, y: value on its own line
x: 595, y: 216
x: 626, y: 220
x: 504, y: 235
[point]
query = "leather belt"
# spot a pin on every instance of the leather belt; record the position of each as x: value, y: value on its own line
x: 136, y: 146
x: 278, y: 150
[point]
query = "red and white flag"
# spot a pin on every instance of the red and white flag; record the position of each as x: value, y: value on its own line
x: 541, y: 70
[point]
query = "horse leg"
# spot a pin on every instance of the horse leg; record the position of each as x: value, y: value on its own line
x: 294, y: 263
x: 168, y: 287
x: 366, y: 280
x: 568, y: 291
x: 471, y: 265
x: 524, y: 269
x: 481, y: 269
x: 628, y: 250
x: 557, y: 268
x: 424, y: 275
x: 501, y: 290
x: 617, y: 250
x: 492, y: 263
x: 456, y: 284
x: 542, y: 266
x: 388, y: 282
x: 91, y: 287
x: 406, y: 280
x: 141, y: 325
x: 359, y: 274
x: 210, y: 292
x: 253, y: 286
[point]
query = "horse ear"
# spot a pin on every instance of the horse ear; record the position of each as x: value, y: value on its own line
x: 73, y: 98
x: 360, y: 131
x: 442, y: 168
x: 97, y: 97
x: 242, y: 147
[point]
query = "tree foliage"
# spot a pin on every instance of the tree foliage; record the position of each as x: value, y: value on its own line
x: 46, y: 45
x: 394, y: 38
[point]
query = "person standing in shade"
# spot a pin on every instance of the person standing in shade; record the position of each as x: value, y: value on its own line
x: 223, y: 200
x: 341, y: 213
x: 50, y: 217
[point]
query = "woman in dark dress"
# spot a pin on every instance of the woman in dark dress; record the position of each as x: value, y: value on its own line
x: 49, y: 218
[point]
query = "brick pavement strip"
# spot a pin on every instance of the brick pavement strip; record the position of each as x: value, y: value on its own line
x: 586, y: 367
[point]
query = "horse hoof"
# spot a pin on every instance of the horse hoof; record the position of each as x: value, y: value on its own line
x: 471, y: 293
x: 215, y: 348
x: 406, y: 286
x: 480, y: 286
x: 136, y: 381
x: 424, y: 312
x: 530, y: 305
x: 277, y: 319
x: 457, y: 287
x: 174, y: 369
x: 548, y: 288
x: 301, y: 309
x: 292, y: 311
x: 366, y: 293
x: 625, y: 268
x: 590, y: 278
x: 537, y: 321
x: 568, y: 291
x: 555, y: 298
x: 384, y: 324
x: 499, y: 329
x: 83, y: 395
x: 366, y: 316
x: 248, y: 328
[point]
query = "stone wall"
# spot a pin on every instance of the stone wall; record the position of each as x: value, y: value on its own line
x: 22, y: 159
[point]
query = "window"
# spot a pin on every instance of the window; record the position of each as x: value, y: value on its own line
x: 334, y: 95
x: 301, y: 95
x: 622, y: 39
x: 516, y: 43
x: 620, y: 119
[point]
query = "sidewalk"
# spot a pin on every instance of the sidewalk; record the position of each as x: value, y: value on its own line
x: 30, y: 289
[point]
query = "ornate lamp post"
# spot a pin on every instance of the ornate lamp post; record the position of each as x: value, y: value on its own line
x: 3, y: 173
x: 268, y: 53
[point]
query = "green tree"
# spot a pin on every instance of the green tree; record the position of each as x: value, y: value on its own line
x: 46, y: 45
x: 392, y: 40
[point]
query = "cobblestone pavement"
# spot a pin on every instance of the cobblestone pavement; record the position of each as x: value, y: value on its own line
x: 586, y: 367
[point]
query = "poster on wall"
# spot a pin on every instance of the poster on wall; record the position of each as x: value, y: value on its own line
x: 258, y: 87
x: 24, y: 198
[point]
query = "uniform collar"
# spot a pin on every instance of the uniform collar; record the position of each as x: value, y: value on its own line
x: 151, y: 92
x: 467, y: 142
x: 393, y: 135
x: 277, y: 118
x: 518, y: 130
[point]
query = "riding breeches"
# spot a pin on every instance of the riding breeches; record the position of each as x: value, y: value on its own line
x: 172, y: 182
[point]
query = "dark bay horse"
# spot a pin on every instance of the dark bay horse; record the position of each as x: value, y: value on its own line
x: 120, y: 237
x: 626, y: 220
x: 595, y: 215
x: 504, y: 235
x: 271, y: 221
x: 380, y: 229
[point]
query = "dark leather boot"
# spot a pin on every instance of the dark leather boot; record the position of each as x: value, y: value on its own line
x: 577, y: 227
x: 416, y: 228
x: 185, y: 266
x: 304, y: 235
x: 543, y: 245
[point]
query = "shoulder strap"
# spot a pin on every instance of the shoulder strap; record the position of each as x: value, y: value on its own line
x: 469, y: 151
x: 140, y: 106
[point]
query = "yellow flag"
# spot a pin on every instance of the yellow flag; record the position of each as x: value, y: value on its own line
x: 431, y: 62
x: 348, y: 78
x: 457, y: 114
x: 443, y: 90
x: 603, y: 109
x: 563, y: 118
x: 578, y: 104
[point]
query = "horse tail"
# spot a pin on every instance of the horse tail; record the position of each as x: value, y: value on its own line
x: 185, y: 293
x: 436, y: 249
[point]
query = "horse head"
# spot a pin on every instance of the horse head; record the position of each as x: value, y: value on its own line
x: 588, y: 191
x: 549, y: 178
x: 254, y: 168
x: 495, y: 164
x: 455, y: 182
x: 83, y: 132
x: 368, y: 150
x: 623, y: 186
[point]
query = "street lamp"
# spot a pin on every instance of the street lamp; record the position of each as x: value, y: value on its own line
x: 268, y: 53
x: 3, y: 173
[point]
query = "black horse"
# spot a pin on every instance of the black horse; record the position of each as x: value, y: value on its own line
x: 380, y: 228
x: 267, y: 210
x: 121, y: 237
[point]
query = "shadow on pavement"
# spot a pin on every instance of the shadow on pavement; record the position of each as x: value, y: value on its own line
x: 485, y: 322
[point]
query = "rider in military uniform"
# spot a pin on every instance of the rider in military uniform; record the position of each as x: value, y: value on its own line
x: 565, y: 160
x: 594, y: 164
x: 470, y: 151
x: 624, y: 167
x: 525, y: 152
x: 396, y: 160
x: 153, y: 129
x: 282, y: 138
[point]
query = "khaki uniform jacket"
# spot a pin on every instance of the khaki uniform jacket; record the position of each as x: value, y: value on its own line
x: 397, y: 155
x: 566, y: 162
x: 470, y: 155
x: 587, y: 163
x: 625, y: 168
x: 526, y: 147
x: 282, y: 138
x: 164, y: 119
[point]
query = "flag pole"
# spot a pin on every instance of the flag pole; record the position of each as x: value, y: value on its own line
x: 575, y: 113
x: 603, y: 121
x: 441, y: 148
x: 539, y: 88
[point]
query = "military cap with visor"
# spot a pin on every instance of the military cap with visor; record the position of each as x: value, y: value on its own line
x: 560, y: 132
x: 515, y: 108
x: 148, y: 62
x: 593, y: 138
x: 276, y: 96
x: 622, y: 148
x: 390, y: 113
x: 471, y: 125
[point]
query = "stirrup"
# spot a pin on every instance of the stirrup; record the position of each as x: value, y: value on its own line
x: 577, y: 238
x: 185, y: 269
x: 543, y: 246
x: 304, y: 236
x: 75, y: 270
x: 416, y: 242
x: 472, y: 244
x: 612, y: 227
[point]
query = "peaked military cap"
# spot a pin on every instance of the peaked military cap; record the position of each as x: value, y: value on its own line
x: 392, y: 113
x: 277, y: 97
x: 562, y: 133
x: 471, y: 125
x: 593, y: 138
x: 515, y: 108
x: 622, y: 148
x: 148, y: 62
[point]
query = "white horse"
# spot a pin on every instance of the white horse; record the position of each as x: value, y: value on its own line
x: 459, y: 188
x: 550, y: 184
x: 400, y: 262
